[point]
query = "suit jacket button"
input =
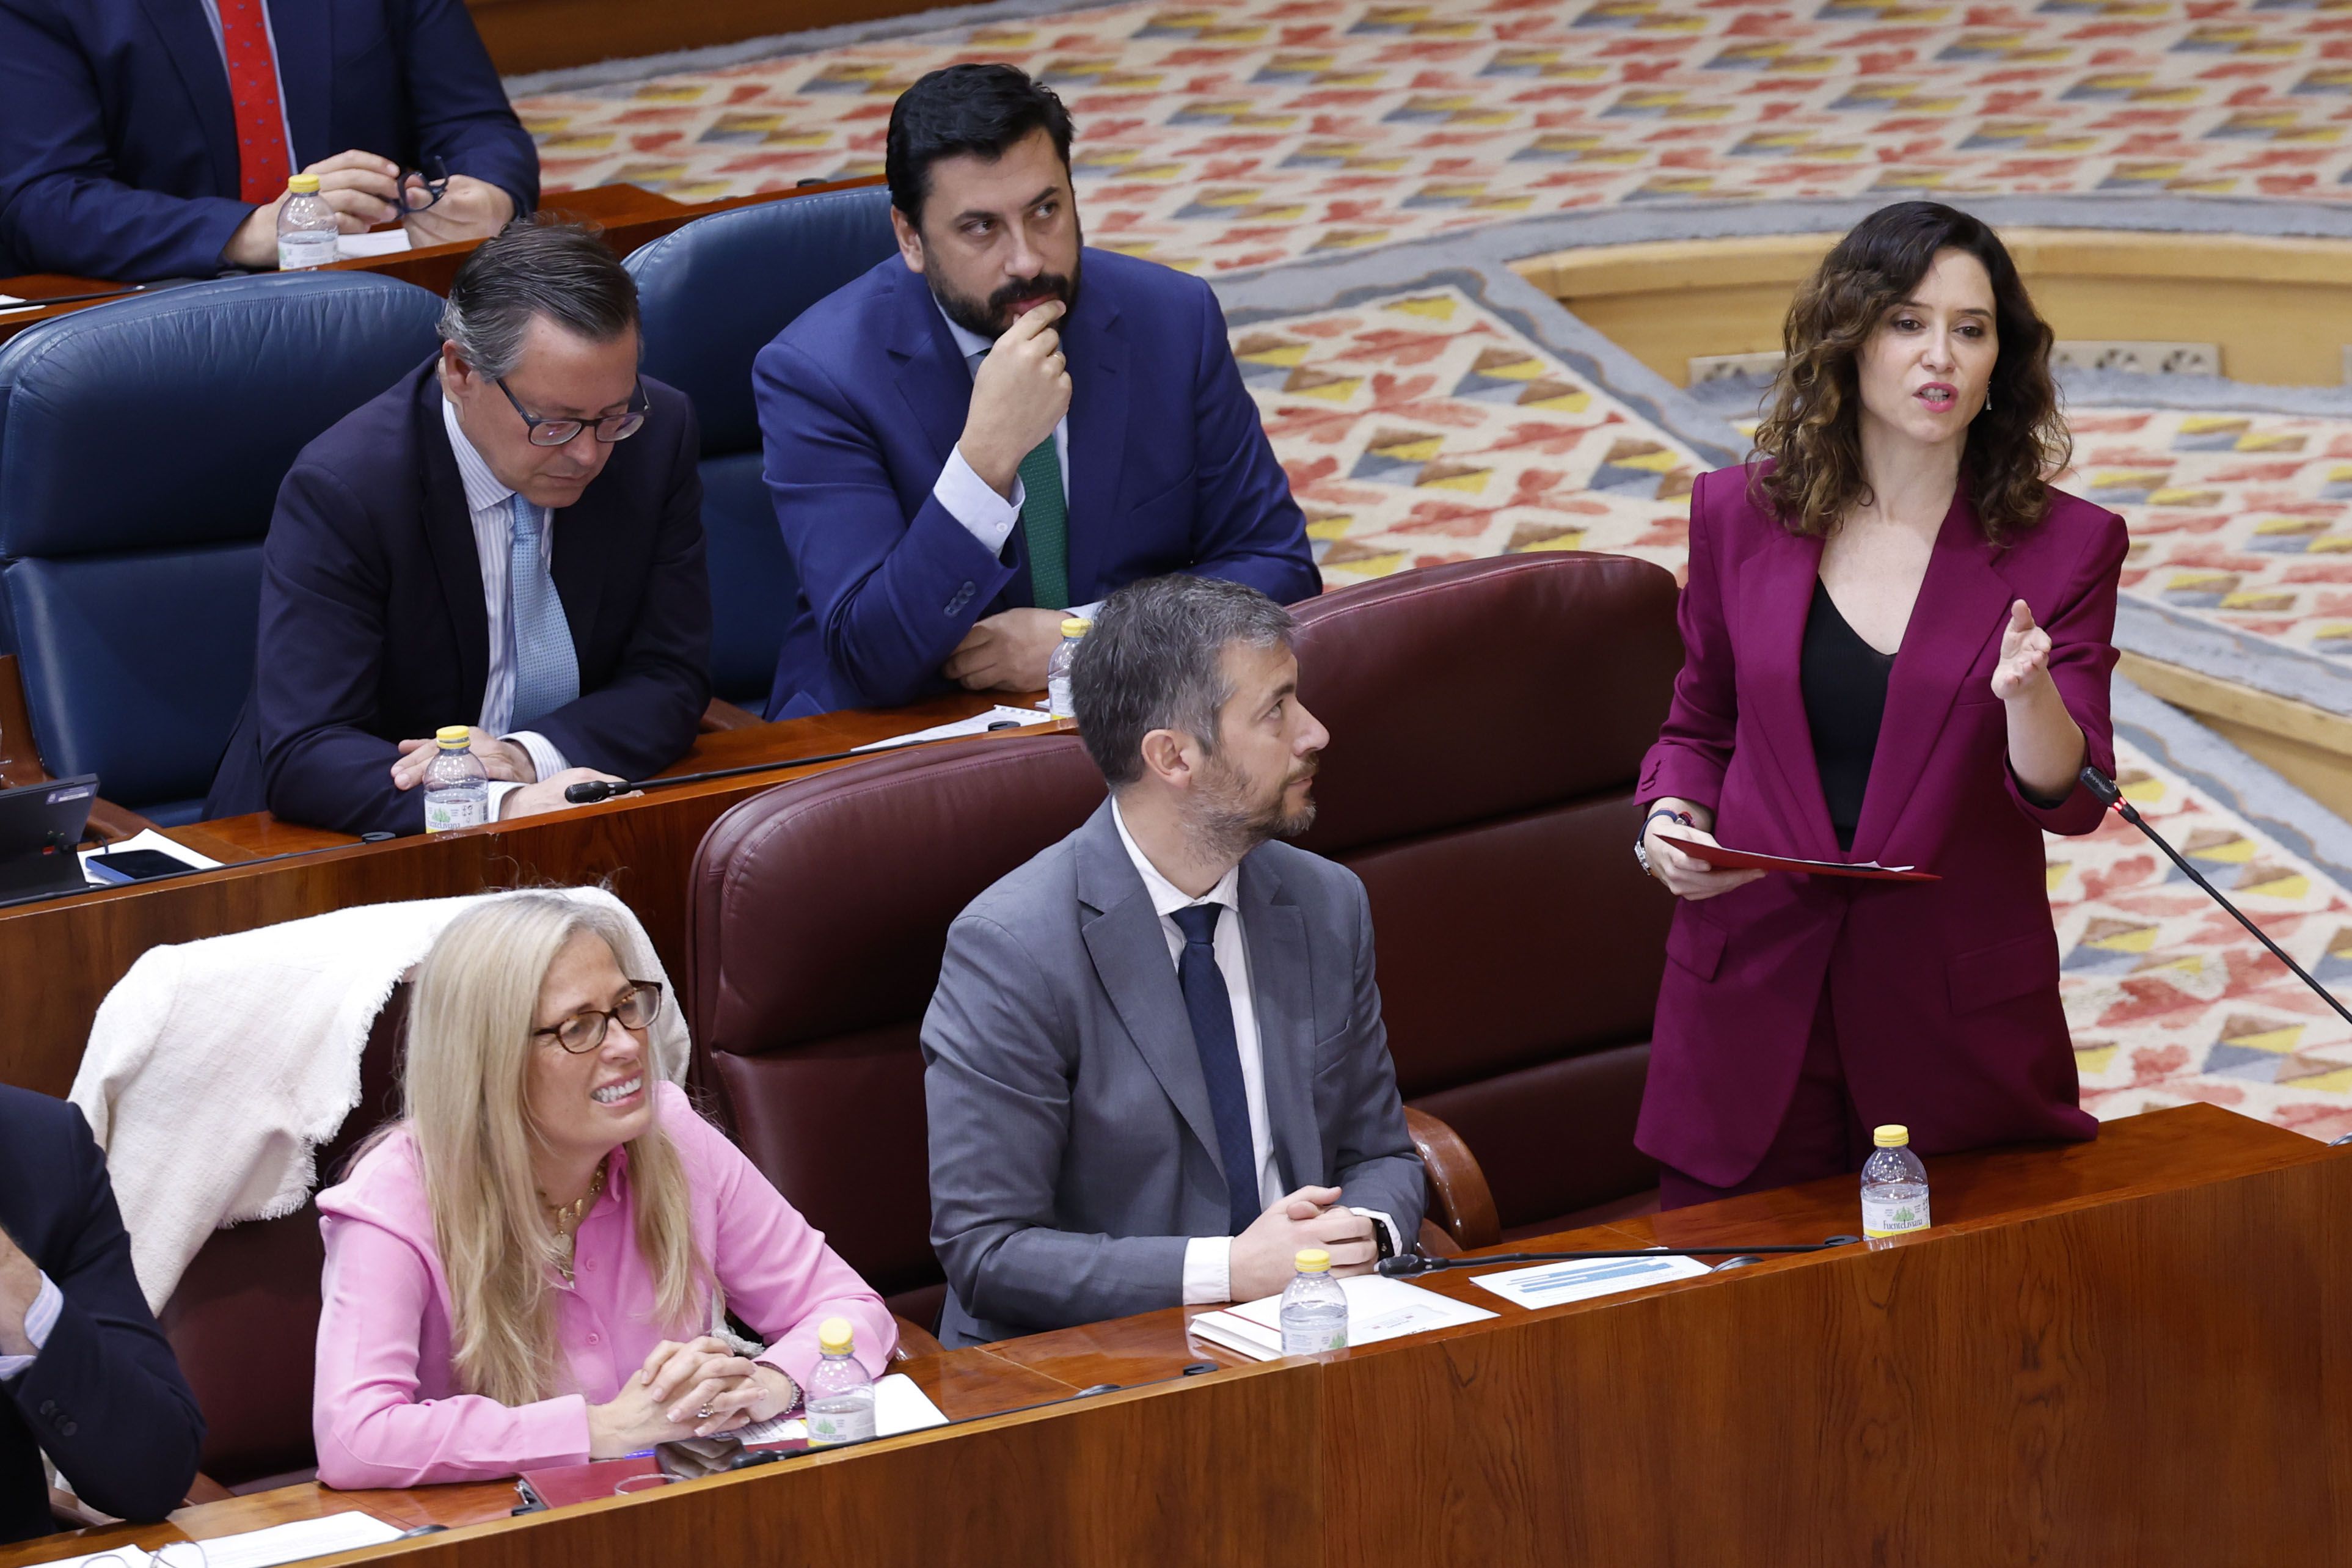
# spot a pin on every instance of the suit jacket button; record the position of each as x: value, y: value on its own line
x: 48, y: 1408
x: 68, y: 1428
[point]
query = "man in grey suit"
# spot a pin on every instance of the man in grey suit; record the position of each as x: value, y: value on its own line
x: 1155, y: 1061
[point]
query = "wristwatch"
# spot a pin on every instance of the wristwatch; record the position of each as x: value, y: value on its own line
x: 1640, y: 839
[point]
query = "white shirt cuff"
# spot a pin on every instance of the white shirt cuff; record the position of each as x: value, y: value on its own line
x: 499, y: 791
x: 985, y: 515
x: 39, y: 1319
x: 544, y: 758
x: 1397, y: 1248
x: 1208, y: 1270
x: 1084, y: 612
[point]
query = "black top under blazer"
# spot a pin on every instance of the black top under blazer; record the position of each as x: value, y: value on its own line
x: 374, y: 629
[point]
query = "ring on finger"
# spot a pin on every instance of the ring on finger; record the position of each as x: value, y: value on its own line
x: 703, y: 1414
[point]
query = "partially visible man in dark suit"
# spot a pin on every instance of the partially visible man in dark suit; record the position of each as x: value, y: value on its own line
x: 148, y: 139
x: 509, y: 538
x: 86, y: 1377
x: 998, y: 426
x: 1154, y: 1064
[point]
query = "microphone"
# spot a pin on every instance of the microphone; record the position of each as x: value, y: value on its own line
x: 2111, y: 797
x: 1406, y: 1265
x: 588, y: 791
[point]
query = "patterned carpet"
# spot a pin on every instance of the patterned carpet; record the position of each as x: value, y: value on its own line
x: 1241, y: 134
x: 1435, y: 416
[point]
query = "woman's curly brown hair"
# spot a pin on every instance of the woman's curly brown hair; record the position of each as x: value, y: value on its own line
x: 1812, y: 432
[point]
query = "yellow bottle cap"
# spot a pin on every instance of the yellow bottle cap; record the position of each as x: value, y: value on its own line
x: 1893, y: 1135
x: 1077, y: 626
x: 303, y: 184
x: 836, y: 1335
x: 452, y: 737
x: 1312, y: 1260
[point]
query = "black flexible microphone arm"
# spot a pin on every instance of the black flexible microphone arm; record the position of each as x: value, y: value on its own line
x: 2100, y: 785
x: 1405, y: 1265
x: 588, y: 791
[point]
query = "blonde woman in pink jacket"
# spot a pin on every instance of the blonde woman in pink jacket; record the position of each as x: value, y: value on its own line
x: 522, y: 1271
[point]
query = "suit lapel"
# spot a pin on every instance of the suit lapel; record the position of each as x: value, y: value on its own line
x: 188, y: 39
x: 1960, y: 607
x: 1129, y: 949
x: 1777, y: 585
x: 1098, y: 383
x: 304, y: 34
x: 448, y: 526
x: 932, y: 377
x: 1274, y: 932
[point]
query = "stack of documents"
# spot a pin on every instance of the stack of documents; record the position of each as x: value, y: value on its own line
x: 1378, y: 1308
x: 976, y: 725
x: 1548, y: 1284
x: 898, y: 1406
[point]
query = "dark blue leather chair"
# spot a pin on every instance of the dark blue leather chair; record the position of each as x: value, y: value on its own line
x: 714, y: 293
x: 141, y: 444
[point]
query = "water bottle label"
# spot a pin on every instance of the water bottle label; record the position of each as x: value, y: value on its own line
x: 305, y: 249
x: 1893, y: 1216
x: 826, y: 1428
x: 1057, y: 697
x: 1314, y: 1341
x: 441, y: 814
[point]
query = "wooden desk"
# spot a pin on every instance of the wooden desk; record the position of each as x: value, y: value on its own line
x: 629, y: 216
x: 2114, y: 1353
x: 59, y: 957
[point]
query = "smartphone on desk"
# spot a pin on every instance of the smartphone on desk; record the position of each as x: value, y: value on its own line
x: 136, y: 865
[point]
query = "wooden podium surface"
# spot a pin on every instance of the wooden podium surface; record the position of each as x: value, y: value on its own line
x: 2114, y: 1353
x: 59, y: 958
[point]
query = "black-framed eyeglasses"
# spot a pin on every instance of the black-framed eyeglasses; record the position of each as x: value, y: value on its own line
x: 556, y: 432
x: 583, y: 1032
x: 434, y: 186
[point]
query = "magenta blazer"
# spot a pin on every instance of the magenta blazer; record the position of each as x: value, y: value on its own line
x: 1944, y: 993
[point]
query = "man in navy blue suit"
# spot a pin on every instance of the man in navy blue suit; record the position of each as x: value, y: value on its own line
x: 509, y: 538
x: 85, y: 1374
x: 998, y: 425
x: 147, y: 139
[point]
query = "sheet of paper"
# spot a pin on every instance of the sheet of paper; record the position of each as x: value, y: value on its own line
x: 900, y: 1406
x: 283, y: 1542
x: 120, y: 1557
x: 976, y: 725
x: 386, y: 242
x: 1548, y: 1284
x: 1378, y: 1308
x: 145, y: 839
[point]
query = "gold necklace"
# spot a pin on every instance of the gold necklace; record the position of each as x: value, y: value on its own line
x: 567, y: 1217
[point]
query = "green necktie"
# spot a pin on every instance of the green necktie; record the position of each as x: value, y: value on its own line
x: 1042, y: 517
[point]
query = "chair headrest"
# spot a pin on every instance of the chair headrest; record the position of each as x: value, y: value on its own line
x: 1461, y: 693
x: 900, y: 844
x: 169, y: 419
x: 714, y: 292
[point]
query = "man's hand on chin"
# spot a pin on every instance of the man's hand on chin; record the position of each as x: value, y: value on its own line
x: 1007, y: 652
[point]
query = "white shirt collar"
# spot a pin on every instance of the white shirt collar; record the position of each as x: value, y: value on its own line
x: 970, y: 342
x: 483, y: 490
x: 1166, y: 896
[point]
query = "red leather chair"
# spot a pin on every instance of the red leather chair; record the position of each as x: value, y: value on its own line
x: 1487, y: 722
x: 245, y: 1315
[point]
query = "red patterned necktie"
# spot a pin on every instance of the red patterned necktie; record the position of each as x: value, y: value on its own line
x: 262, y: 163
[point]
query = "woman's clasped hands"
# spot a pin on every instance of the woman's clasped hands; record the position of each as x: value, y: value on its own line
x: 695, y: 1389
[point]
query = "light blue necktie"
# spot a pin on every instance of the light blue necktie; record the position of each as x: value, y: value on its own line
x: 546, y: 670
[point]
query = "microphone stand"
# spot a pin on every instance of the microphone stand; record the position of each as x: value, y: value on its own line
x: 2100, y: 785
x: 588, y: 791
x: 1406, y: 1265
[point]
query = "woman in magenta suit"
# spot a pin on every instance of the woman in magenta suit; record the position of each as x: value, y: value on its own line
x: 1898, y: 642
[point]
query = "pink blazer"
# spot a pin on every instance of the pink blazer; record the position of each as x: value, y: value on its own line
x: 1944, y: 993
x: 386, y: 1410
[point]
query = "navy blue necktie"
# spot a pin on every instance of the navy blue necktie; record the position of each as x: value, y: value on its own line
x: 1210, y: 1008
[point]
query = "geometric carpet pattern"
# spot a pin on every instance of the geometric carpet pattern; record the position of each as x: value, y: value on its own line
x: 1243, y: 134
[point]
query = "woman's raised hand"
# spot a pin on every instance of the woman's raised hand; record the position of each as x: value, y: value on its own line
x: 2024, y: 656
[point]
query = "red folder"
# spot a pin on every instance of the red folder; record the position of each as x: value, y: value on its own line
x: 1724, y: 858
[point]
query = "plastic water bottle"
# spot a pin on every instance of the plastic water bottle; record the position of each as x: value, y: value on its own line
x: 306, y: 226
x: 456, y: 790
x: 1058, y: 668
x: 1314, y: 1308
x: 839, y: 1399
x: 1894, y: 1186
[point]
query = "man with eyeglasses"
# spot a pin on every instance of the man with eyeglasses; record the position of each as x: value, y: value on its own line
x: 509, y: 538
